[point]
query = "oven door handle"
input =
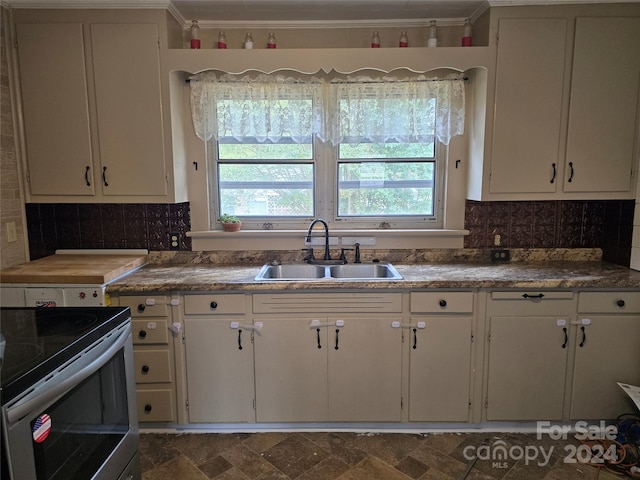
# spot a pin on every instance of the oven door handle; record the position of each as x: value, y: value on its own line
x: 44, y: 394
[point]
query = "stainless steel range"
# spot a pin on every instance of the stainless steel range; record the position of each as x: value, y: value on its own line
x: 68, y: 394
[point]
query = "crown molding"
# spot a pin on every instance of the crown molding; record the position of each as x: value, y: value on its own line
x: 229, y: 24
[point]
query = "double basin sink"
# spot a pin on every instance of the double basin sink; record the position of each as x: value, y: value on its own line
x: 349, y: 271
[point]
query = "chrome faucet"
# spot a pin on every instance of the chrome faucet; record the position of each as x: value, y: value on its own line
x: 327, y: 256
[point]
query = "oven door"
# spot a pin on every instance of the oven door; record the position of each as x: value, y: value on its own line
x: 80, y: 422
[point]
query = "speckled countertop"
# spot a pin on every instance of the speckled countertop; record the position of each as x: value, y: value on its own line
x: 470, y: 272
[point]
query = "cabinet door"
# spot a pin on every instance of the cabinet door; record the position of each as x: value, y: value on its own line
x: 55, y: 108
x: 606, y: 353
x: 126, y: 69
x: 528, y: 105
x: 527, y: 368
x: 291, y: 371
x: 365, y: 366
x: 604, y: 103
x: 219, y: 372
x: 440, y: 369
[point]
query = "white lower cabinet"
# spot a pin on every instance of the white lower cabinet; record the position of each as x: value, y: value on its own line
x: 328, y: 367
x: 219, y: 359
x: 560, y: 355
x: 528, y: 341
x: 153, y: 356
x: 527, y: 369
x: 421, y: 356
x: 440, y: 352
x: 607, y: 351
x: 291, y: 372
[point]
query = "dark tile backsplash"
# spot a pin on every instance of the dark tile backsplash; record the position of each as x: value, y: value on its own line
x: 606, y: 224
x: 105, y: 225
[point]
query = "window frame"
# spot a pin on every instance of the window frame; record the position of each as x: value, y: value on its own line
x: 325, y: 163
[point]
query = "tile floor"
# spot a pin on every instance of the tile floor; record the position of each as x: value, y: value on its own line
x: 356, y: 456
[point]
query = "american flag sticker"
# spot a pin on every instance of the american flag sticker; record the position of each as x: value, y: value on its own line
x: 41, y: 428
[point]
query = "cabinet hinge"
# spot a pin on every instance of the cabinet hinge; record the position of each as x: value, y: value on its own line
x: 473, y: 336
x: 489, y: 336
x: 497, y: 38
x: 402, y: 336
x: 486, y: 402
x: 28, y: 177
x: 401, y: 403
x: 469, y: 404
x: 252, y: 341
x: 254, y: 403
x: 15, y: 42
x: 186, y: 404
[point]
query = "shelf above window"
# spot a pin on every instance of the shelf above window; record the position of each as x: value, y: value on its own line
x: 342, y: 60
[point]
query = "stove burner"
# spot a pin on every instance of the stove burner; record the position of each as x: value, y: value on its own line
x: 65, y: 324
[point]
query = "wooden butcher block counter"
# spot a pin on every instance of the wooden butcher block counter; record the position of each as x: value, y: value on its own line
x: 76, y: 268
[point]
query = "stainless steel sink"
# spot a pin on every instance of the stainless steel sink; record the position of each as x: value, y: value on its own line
x: 300, y: 271
x: 366, y: 271
x: 350, y: 271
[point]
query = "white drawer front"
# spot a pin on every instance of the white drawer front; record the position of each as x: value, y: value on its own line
x: 441, y: 302
x: 214, y: 304
x: 149, y: 332
x: 609, y: 302
x: 327, y: 303
x: 152, y: 366
x: 145, y: 306
x: 532, y: 303
x: 155, y: 405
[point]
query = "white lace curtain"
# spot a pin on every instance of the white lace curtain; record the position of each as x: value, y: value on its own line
x: 353, y: 110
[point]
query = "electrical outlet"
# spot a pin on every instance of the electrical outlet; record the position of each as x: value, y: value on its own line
x: 12, y: 236
x: 174, y: 241
x: 500, y: 255
x: 497, y: 240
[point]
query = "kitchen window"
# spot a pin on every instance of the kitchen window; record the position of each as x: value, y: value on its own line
x: 362, y: 151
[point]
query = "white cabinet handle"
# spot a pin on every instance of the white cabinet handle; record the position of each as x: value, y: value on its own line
x: 318, y: 324
x: 256, y: 326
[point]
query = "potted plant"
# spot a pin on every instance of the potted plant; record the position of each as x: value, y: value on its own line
x: 230, y: 223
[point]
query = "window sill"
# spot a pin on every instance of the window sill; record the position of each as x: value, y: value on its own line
x: 294, y: 239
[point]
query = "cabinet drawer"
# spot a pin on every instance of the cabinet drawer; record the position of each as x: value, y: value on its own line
x: 441, y: 302
x: 152, y: 366
x: 155, y: 405
x: 532, y: 303
x: 150, y: 332
x: 216, y: 304
x: 145, y: 306
x: 609, y: 302
x: 316, y: 303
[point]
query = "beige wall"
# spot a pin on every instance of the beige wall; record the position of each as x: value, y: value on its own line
x: 11, y: 203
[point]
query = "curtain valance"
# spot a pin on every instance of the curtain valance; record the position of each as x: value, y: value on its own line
x: 350, y: 110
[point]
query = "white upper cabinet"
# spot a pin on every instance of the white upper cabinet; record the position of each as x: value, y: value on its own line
x: 564, y: 122
x: 96, y: 111
x: 55, y: 108
x: 528, y: 105
x: 126, y: 70
x: 603, y: 109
